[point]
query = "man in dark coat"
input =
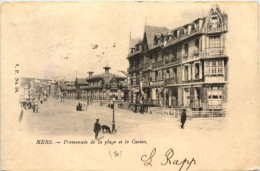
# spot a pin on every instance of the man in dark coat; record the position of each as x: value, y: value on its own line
x: 183, y: 118
x: 97, y: 128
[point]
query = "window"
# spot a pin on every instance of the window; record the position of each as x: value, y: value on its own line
x: 197, y: 71
x: 197, y: 43
x: 214, y: 19
x: 186, y: 48
x: 162, y: 71
x: 185, y: 31
x: 137, y: 48
x: 186, y: 73
x: 196, y: 26
x: 155, y: 41
x: 156, y: 75
x: 156, y: 56
x: 214, y: 42
x: 174, y: 52
x: 215, y: 67
x: 215, y: 93
x: 174, y: 73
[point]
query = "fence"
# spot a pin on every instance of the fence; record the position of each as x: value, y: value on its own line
x: 176, y: 112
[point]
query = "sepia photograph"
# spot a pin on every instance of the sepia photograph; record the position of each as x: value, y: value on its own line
x: 129, y: 86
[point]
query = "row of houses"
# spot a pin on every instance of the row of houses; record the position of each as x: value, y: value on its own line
x: 185, y: 67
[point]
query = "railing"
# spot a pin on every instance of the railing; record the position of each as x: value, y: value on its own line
x: 146, y: 83
x: 172, y: 61
x: 206, y: 114
x: 146, y: 65
x: 214, y: 27
x: 191, y: 56
x: 196, y: 104
x: 214, y: 104
x: 169, y: 81
x: 210, y: 52
x: 159, y: 63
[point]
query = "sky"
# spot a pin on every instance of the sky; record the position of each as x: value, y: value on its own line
x: 64, y: 39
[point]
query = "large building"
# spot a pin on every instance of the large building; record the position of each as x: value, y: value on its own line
x: 182, y: 67
x: 106, y: 86
x: 100, y: 87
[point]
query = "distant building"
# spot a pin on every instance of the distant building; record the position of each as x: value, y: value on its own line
x: 182, y: 67
x: 105, y: 86
x: 68, y: 89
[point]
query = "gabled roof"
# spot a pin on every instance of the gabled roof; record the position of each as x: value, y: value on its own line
x: 106, y: 77
x: 81, y: 81
x: 150, y: 31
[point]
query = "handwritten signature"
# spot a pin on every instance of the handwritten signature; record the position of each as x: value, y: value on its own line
x: 168, y: 159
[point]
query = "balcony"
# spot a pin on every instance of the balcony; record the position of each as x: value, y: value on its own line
x: 172, y: 61
x: 213, y: 52
x: 157, y: 83
x: 146, y: 83
x: 158, y: 63
x: 215, y: 27
x: 146, y: 65
x: 170, y: 81
x: 191, y: 56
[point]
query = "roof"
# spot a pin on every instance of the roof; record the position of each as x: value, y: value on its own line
x: 67, y: 88
x: 106, y: 77
x: 82, y: 81
x: 150, y: 31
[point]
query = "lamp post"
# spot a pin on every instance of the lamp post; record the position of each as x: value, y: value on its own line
x: 113, y: 121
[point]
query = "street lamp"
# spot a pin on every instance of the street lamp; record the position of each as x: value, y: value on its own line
x: 113, y: 121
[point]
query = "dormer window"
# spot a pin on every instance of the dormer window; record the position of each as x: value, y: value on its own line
x: 155, y: 41
x: 175, y: 34
x: 162, y: 39
x: 196, y: 26
x: 132, y: 50
x: 185, y: 31
x: 137, y: 48
x: 214, y: 24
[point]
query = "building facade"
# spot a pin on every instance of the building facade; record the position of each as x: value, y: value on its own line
x: 185, y: 67
x: 106, y: 86
x: 101, y: 87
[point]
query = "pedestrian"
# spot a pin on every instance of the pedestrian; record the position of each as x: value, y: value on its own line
x: 97, y: 128
x: 36, y: 108
x: 33, y: 106
x: 183, y: 118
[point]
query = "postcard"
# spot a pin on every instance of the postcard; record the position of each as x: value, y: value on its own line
x: 129, y: 86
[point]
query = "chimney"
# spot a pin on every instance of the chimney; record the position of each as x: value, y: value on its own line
x: 90, y: 73
x: 107, y: 68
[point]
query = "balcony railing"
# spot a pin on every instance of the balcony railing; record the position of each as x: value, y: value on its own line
x: 169, y: 81
x: 206, y: 53
x: 146, y: 65
x: 172, y: 61
x: 213, y: 52
x: 214, y: 27
x: 158, y: 63
x: 146, y: 83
